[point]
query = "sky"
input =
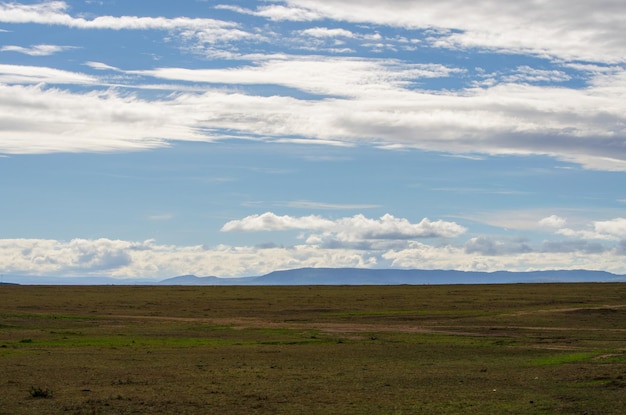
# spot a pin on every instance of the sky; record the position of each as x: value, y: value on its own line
x: 149, y: 139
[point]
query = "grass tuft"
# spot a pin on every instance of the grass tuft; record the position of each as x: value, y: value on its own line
x: 38, y: 392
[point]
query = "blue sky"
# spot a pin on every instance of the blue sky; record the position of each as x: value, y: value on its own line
x: 234, y: 138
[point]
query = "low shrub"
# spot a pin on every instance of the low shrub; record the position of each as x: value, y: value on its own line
x: 37, y: 392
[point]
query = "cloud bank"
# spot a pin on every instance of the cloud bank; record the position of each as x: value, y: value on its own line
x: 355, y: 241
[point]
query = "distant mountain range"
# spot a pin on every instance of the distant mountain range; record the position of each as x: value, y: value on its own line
x: 360, y: 276
x: 348, y: 276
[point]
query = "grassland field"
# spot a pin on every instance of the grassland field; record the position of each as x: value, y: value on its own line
x: 439, y: 349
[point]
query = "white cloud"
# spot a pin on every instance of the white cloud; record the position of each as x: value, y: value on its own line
x: 277, y: 12
x: 610, y: 230
x: 148, y: 259
x: 373, y: 101
x: 324, y: 32
x: 315, y: 74
x: 124, y: 259
x: 21, y: 74
x: 366, y: 101
x: 101, y: 66
x: 269, y: 221
x: 419, y: 255
x: 36, y: 256
x: 353, y: 229
x: 552, y: 221
x: 615, y: 227
x: 579, y: 126
x: 91, y: 122
x: 528, y: 74
x: 586, y: 31
x: 36, y: 50
x: 55, y: 13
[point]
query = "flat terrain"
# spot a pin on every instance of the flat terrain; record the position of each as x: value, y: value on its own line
x: 463, y: 349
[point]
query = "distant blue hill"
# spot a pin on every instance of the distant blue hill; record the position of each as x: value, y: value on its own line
x: 342, y: 276
x: 360, y: 276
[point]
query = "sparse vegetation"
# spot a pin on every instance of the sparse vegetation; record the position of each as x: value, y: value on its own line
x: 38, y: 392
x: 505, y: 349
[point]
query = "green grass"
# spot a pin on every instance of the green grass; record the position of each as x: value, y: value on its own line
x: 565, y: 358
x: 506, y: 349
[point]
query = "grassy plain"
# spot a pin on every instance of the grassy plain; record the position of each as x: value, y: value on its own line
x: 463, y: 349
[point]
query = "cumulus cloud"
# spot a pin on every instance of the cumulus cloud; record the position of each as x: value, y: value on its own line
x: 125, y: 259
x: 610, y: 230
x: 149, y: 259
x: 357, y: 231
x: 615, y: 227
x: 420, y: 255
x: 271, y: 222
x: 552, y: 221
x: 36, y: 256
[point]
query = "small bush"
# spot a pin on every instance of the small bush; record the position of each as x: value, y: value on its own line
x: 40, y: 392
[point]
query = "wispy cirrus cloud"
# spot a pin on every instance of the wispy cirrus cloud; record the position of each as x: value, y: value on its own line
x: 56, y: 13
x: 36, y: 50
x: 277, y: 12
x: 203, y: 30
x: 161, y: 216
x: 307, y: 204
x: 22, y: 74
x: 99, y: 66
x: 315, y: 74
